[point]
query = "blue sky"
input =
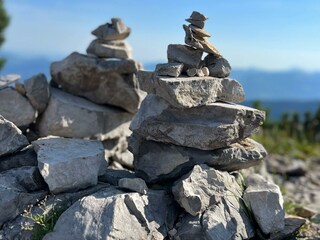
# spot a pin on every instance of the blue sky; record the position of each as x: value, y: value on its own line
x: 269, y: 35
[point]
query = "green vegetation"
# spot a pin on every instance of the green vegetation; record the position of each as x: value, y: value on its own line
x: 291, y: 136
x: 4, y: 21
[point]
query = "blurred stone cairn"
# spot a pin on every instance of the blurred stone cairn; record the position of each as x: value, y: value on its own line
x: 189, y: 143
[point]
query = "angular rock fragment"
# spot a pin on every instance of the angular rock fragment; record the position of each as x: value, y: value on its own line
x: 113, y: 176
x: 70, y: 116
x: 169, y: 69
x: 186, y: 92
x: 265, y: 201
x: 69, y: 164
x: 38, y: 91
x: 199, y: 32
x: 11, y: 138
x: 124, y: 158
x: 292, y: 226
x: 16, y: 108
x: 189, y: 228
x: 159, y: 162
x: 197, y: 23
x: 134, y: 184
x: 116, y: 30
x: 109, y: 49
x: 6, y: 80
x: 218, y: 66
x: 207, y: 127
x: 197, y: 16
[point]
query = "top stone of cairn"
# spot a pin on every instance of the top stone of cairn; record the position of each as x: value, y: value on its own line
x: 116, y: 30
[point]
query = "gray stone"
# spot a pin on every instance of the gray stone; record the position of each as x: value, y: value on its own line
x: 270, y: 214
x: 6, y: 80
x: 189, y: 56
x: 199, y: 32
x: 124, y: 158
x: 113, y: 176
x: 198, y: 16
x: 153, y: 161
x: 103, y: 81
x: 284, y: 165
x: 218, y: 66
x: 205, y: 71
x: 11, y: 138
x: 197, y: 23
x: 24, y: 157
x: 20, y: 88
x: 116, y: 30
x: 191, y: 72
x: 19, y: 188
x: 186, y: 92
x: 69, y: 164
x: 134, y: 184
x: 38, y: 91
x: 112, y: 214
x: 110, y: 49
x: 70, y: 116
x: 204, y: 187
x: 169, y: 69
x: 209, y: 127
x: 190, y: 228
x: 16, y: 108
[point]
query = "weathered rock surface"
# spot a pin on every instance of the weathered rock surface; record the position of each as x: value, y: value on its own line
x: 209, y: 127
x: 6, y: 80
x: 16, y: 108
x: 116, y: 30
x: 134, y: 184
x: 38, y: 91
x: 11, y: 138
x: 125, y: 216
x: 24, y: 157
x: 112, y: 176
x: 103, y: 81
x: 270, y: 214
x: 17, y: 191
x: 69, y: 164
x: 169, y: 69
x: 203, y: 187
x: 124, y: 158
x: 189, y: 56
x: 70, y: 116
x: 190, y: 228
x: 186, y: 92
x: 158, y: 162
x: 109, y: 49
x: 218, y: 67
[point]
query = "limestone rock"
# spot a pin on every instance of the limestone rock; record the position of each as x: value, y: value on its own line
x: 109, y: 49
x: 197, y: 23
x: 191, y: 72
x: 218, y: 66
x: 199, y: 32
x: 190, y: 228
x: 197, y: 16
x: 116, y: 30
x: 113, y: 176
x: 169, y: 69
x: 266, y: 203
x: 11, y: 138
x: 69, y: 164
x: 134, y: 184
x: 189, y: 56
x: 16, y: 108
x: 125, y: 216
x: 186, y: 92
x: 6, y: 80
x: 203, y: 187
x: 70, y: 116
x: 124, y: 158
x: 209, y: 127
x: 159, y: 162
x: 103, y: 81
x: 38, y: 91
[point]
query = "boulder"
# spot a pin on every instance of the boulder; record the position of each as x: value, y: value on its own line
x: 116, y: 30
x: 11, y: 138
x: 265, y: 201
x: 134, y: 184
x: 69, y: 164
x: 189, y: 56
x: 159, y: 162
x: 169, y: 69
x: 109, y: 49
x: 16, y: 108
x: 204, y: 187
x: 218, y: 66
x: 103, y: 81
x: 112, y: 214
x: 38, y: 91
x: 187, y: 92
x: 70, y: 116
x: 209, y: 127
x: 6, y: 80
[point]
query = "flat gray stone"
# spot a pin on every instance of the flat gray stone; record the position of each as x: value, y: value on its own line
x: 199, y: 32
x: 116, y: 30
x: 102, y: 49
x: 69, y: 164
x: 11, y: 137
x: 153, y: 161
x: 189, y: 56
x: 71, y: 116
x: 265, y: 201
x: 190, y: 228
x: 169, y: 69
x: 103, y: 81
x: 197, y: 23
x: 113, y: 176
x: 38, y: 91
x: 125, y: 158
x: 197, y: 16
x: 134, y: 184
x: 186, y: 92
x: 6, y: 80
x: 112, y: 214
x: 218, y: 66
x: 291, y: 228
x: 16, y: 108
x: 209, y: 127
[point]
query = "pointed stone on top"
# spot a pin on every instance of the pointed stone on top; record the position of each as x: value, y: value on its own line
x: 116, y: 30
x: 197, y: 16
